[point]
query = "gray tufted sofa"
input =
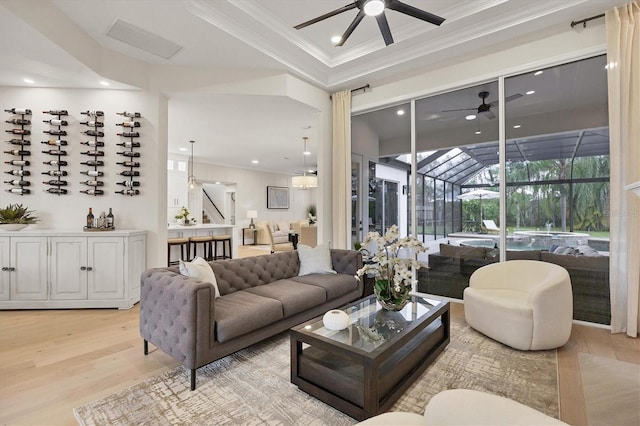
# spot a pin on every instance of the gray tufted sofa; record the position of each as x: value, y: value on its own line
x: 259, y: 297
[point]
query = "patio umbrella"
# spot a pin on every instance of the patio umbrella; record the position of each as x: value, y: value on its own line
x: 479, y: 194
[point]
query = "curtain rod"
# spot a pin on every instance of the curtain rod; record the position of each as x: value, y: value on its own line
x: 363, y: 88
x: 584, y: 21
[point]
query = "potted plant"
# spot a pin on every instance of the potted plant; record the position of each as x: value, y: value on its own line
x: 15, y: 217
x: 311, y: 214
x: 183, y: 216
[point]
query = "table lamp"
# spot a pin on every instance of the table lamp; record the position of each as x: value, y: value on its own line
x: 252, y: 214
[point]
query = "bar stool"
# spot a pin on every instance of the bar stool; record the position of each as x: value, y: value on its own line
x: 206, y: 241
x: 182, y: 242
x: 224, y: 239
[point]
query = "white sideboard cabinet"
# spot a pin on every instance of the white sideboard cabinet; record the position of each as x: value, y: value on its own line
x: 57, y: 269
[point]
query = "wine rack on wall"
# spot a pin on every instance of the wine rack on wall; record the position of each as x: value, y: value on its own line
x: 128, y: 143
x: 18, y: 151
x: 95, y: 152
x: 57, y: 149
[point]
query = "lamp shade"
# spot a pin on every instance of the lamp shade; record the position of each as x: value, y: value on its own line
x: 304, y: 182
x: 252, y: 214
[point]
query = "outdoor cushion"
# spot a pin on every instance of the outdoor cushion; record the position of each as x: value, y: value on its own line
x: 335, y: 285
x: 241, y: 312
x: 294, y: 297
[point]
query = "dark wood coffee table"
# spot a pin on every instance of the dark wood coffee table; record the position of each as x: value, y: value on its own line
x: 363, y: 369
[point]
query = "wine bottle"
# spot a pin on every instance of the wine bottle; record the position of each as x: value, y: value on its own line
x: 22, y: 142
x: 20, y: 152
x: 129, y: 183
x: 94, y: 153
x: 93, y: 143
x: 20, y: 191
x: 19, y: 172
x: 129, y: 114
x: 129, y: 153
x: 93, y: 192
x: 19, y: 121
x: 57, y: 112
x: 57, y: 142
x: 56, y: 190
x: 129, y: 173
x: 17, y: 182
x: 93, y: 133
x: 93, y: 183
x: 128, y: 144
x: 55, y: 162
x: 90, y: 218
x: 19, y: 131
x: 129, y: 164
x: 92, y: 173
x: 22, y: 111
x: 55, y: 152
x: 54, y: 182
x: 110, y: 219
x: 55, y: 173
x: 93, y: 163
x: 129, y: 134
x: 56, y: 122
x: 18, y: 163
x: 93, y: 123
x: 93, y: 113
x: 128, y: 191
x: 129, y: 124
x: 56, y: 132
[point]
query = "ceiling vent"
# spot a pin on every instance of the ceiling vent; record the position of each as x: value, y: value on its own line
x: 142, y: 39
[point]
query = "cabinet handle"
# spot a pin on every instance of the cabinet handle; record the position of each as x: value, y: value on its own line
x: 4, y: 268
x: 83, y: 268
x: 89, y: 268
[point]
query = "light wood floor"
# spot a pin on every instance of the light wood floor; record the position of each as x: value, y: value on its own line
x: 52, y: 361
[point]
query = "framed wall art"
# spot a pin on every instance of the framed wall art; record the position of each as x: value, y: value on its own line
x: 277, y: 197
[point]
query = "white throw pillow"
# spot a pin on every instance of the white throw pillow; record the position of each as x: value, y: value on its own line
x: 315, y: 260
x: 283, y: 226
x: 199, y: 269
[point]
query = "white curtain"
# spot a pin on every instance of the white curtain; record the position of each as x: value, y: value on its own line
x: 341, y: 191
x: 623, y: 58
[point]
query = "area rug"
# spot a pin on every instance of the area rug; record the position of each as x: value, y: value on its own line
x: 252, y: 387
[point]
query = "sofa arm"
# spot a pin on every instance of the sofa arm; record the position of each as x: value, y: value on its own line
x: 346, y: 261
x: 177, y: 314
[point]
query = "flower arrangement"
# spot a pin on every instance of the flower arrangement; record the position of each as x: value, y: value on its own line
x: 183, y: 215
x: 391, y: 264
x: 311, y: 214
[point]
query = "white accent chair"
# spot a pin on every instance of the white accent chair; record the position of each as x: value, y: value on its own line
x: 525, y: 304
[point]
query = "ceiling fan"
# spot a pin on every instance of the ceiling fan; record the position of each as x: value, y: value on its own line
x: 485, y: 108
x: 375, y: 8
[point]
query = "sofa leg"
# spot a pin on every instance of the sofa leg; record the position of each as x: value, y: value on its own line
x: 193, y: 379
x: 146, y: 347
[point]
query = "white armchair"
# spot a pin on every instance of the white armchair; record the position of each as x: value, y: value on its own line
x: 526, y: 304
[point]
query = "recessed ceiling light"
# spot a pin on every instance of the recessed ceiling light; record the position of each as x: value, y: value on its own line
x: 531, y: 92
x: 182, y: 149
x: 538, y: 72
x: 336, y: 39
x: 104, y: 83
x: 470, y: 117
x: 373, y: 7
x: 400, y: 112
x: 218, y: 183
x: 517, y: 126
x: 478, y: 132
x: 254, y: 161
x: 307, y: 152
x: 29, y: 81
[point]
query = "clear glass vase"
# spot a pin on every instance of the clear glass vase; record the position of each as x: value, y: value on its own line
x: 390, y: 299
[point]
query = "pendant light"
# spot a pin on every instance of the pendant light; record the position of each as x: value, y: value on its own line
x: 304, y: 181
x: 192, y: 179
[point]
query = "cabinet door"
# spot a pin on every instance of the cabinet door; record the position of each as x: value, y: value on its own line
x: 29, y: 274
x: 106, y: 263
x: 68, y: 271
x: 177, y: 190
x: 5, y: 274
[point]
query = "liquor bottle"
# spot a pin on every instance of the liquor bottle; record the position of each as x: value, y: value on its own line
x: 128, y: 192
x: 129, y: 134
x: 20, y: 191
x: 57, y: 112
x: 129, y: 124
x: 93, y: 191
x: 129, y: 114
x: 129, y: 173
x: 17, y: 182
x: 93, y: 163
x: 128, y: 144
x: 129, y: 183
x: 19, y: 172
x: 22, y: 111
x: 57, y: 142
x: 18, y: 163
x: 55, y: 152
x: 20, y: 152
x: 54, y: 122
x: 56, y: 190
x: 55, y: 162
x: 93, y: 123
x: 22, y: 142
x: 93, y: 133
x: 110, y: 219
x: 129, y: 164
x: 90, y: 218
x: 93, y: 183
x: 56, y: 132
x: 53, y: 182
x: 92, y: 173
x: 93, y: 143
x: 129, y: 153
x: 94, y: 153
x: 19, y: 121
x: 93, y: 113
x: 55, y: 173
x: 19, y: 131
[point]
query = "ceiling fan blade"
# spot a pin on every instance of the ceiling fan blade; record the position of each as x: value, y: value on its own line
x: 383, y: 24
x: 326, y: 15
x: 507, y: 99
x: 352, y: 26
x: 398, y: 6
x: 461, y: 109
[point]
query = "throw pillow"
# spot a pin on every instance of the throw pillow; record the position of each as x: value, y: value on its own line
x: 315, y: 260
x: 283, y: 226
x: 199, y: 269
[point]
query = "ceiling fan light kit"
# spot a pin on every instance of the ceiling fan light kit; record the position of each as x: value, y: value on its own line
x: 375, y: 8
